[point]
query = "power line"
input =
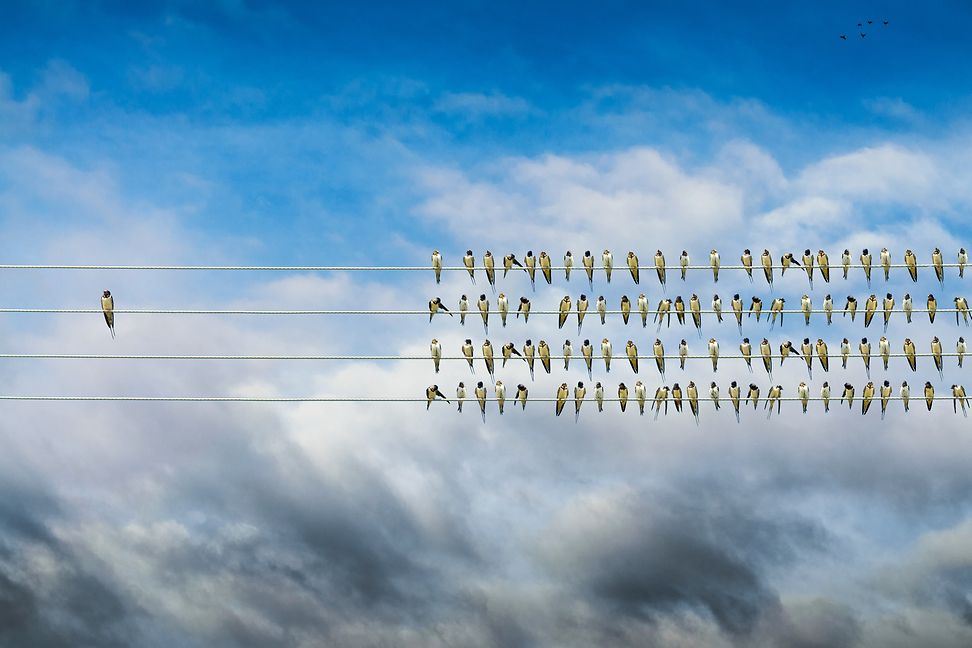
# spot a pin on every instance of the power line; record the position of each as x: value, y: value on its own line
x: 620, y: 357
x: 322, y: 268
x: 395, y: 399
x: 727, y: 314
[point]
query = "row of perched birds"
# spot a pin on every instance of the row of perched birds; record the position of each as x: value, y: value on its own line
x: 806, y: 351
x: 788, y: 260
x: 690, y: 396
x: 663, y: 312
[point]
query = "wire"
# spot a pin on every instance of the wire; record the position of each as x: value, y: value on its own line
x: 577, y: 357
x: 383, y: 399
x: 428, y: 268
x: 634, y: 314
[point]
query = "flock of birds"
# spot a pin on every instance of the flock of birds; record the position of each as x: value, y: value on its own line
x: 861, y: 26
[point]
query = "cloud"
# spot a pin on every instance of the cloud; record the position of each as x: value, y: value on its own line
x: 475, y: 105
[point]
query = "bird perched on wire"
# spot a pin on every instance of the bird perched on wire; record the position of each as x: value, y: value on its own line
x: 660, y: 267
x: 521, y: 396
x: 568, y: 264
x: 490, y: 267
x: 886, y: 262
x: 545, y: 267
x: 828, y: 308
x: 607, y: 260
x: 633, y: 266
x: 767, y: 260
x: 588, y: 261
x: 747, y: 262
x: 823, y: 262
x: 460, y: 394
x: 932, y: 305
x: 431, y: 393
x: 436, y: 349
x: 866, y: 261
x: 470, y: 262
x: 509, y: 261
x: 500, y: 390
x: 623, y: 397
x: 962, y: 308
x: 437, y: 265
x: 108, y: 308
x: 808, y: 265
x: 582, y: 306
x: 626, y: 308
x: 912, y: 262
x: 435, y: 305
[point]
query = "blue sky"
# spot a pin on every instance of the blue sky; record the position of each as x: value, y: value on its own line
x: 241, y: 132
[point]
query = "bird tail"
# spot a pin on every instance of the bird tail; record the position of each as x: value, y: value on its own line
x: 737, y: 416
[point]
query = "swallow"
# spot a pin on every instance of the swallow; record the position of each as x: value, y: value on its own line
x: 803, y: 393
x: 851, y: 307
x: 523, y: 308
x: 582, y: 305
x: 773, y: 398
x: 599, y: 396
x: 786, y: 261
x: 937, y: 261
x: 734, y: 397
x: 870, y: 306
x: 753, y: 395
x: 737, y: 307
x: 848, y: 394
x: 564, y: 311
x: 888, y: 307
x: 528, y: 353
x: 808, y: 265
x: 108, y: 308
x: 677, y: 397
x: 845, y: 262
x: 463, y: 309
x: 844, y: 352
x: 500, y: 390
x: 905, y: 395
x: 470, y: 262
x: 682, y: 354
x: 963, y: 260
x: 747, y: 353
x: 483, y: 305
x: 467, y: 352
x: 545, y: 267
x: 631, y: 350
x: 658, y: 349
x: 508, y: 352
x: 714, y: 395
x: 807, y: 350
x: 460, y: 394
x: 828, y: 308
x: 530, y: 265
x: 587, y: 350
x: 907, y: 306
x: 962, y: 307
x: 661, y: 396
x: 867, y: 395
x: 641, y: 394
x: 437, y: 265
x: 785, y: 350
x: 436, y: 349
x: 521, y: 396
x: 959, y: 398
x: 714, y: 354
x: 747, y: 262
x: 884, y: 350
x: 642, y: 309
x: 568, y: 351
x: 680, y: 310
x: 480, y: 392
x: 822, y: 354
x: 431, y: 393
x: 695, y: 306
x: 717, y: 307
x: 503, y: 306
x: 509, y: 261
x: 490, y: 268
x: 756, y: 306
x: 932, y: 308
x: 936, y: 349
x: 580, y: 391
x: 562, y: 393
x: 435, y: 306
x: 602, y: 308
x: 767, y: 260
x: 664, y: 308
x: 960, y: 350
x: 607, y: 260
x: 843, y: 37
x: 909, y: 351
x: 825, y: 396
x: 865, y: 349
x: 544, y: 352
x: 626, y: 308
x: 929, y: 395
x: 683, y: 263
x: 660, y: 266
x: 806, y: 305
x: 886, y: 262
x: 606, y: 352
x: 623, y: 397
x: 714, y: 263
x: 912, y: 262
x: 588, y: 261
x: 766, y: 351
x: 692, y: 396
x: 568, y: 264
x: 776, y: 308
x: 488, y: 357
x: 823, y: 262
x: 885, y: 397
x: 633, y: 266
x: 866, y: 265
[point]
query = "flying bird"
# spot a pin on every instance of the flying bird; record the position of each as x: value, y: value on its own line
x: 108, y: 308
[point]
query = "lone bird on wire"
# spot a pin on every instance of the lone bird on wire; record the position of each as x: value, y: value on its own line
x: 108, y: 307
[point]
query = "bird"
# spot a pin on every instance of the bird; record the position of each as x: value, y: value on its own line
x: 756, y: 307
x: 806, y: 305
x: 843, y: 37
x: 683, y: 263
x: 734, y: 397
x: 885, y: 397
x: 631, y: 350
x: 641, y: 394
x: 500, y: 390
x: 885, y: 23
x: 431, y: 393
x: 932, y: 305
x: 905, y: 395
x: 508, y: 352
x: 568, y: 351
x: 436, y: 349
x: 773, y: 398
x: 766, y: 351
x: 659, y: 350
x: 664, y: 308
x: 545, y: 267
x: 737, y: 307
x: 643, y: 310
x: 544, y: 352
x: 587, y: 350
x: 870, y: 306
x: 844, y: 352
x: 488, y: 357
x: 803, y: 393
x: 747, y: 261
x: 660, y: 266
x: 714, y: 263
x: 753, y: 395
x: 568, y: 264
x: 524, y: 308
x: 907, y: 307
x: 489, y: 267
x: 695, y: 306
x: 825, y: 396
x: 776, y: 308
x: 767, y: 261
x: 437, y: 265
x: 528, y: 355
x: 483, y: 305
x: 822, y: 354
x: 470, y: 262
x: 714, y: 395
x: 435, y: 305
x: 607, y: 260
x: 680, y: 310
x: 521, y: 396
x: 633, y: 266
x: 909, y: 351
x: 626, y: 307
x: 606, y: 352
x: 623, y: 397
x: 692, y: 396
x: 460, y: 394
x: 468, y: 352
x: 959, y: 398
x: 785, y: 350
x: 503, y: 306
x: 677, y: 397
x: 580, y: 391
x: 602, y: 308
x: 562, y: 393
x: 509, y: 261
x: 886, y: 261
x: 963, y: 260
x: 564, y: 311
x: 588, y: 261
x: 661, y: 397
x: 808, y: 265
x: 582, y: 306
x: 888, y: 308
x: 936, y: 349
x: 599, y: 396
x: 845, y: 262
x: 747, y: 352
x: 828, y: 308
x: 717, y: 307
x: 962, y: 308
x: 682, y: 354
x: 823, y: 262
x: 866, y: 261
x: 912, y: 262
x: 786, y: 261
x: 714, y: 354
x: 929, y: 395
x: 937, y: 261
x: 960, y: 350
x: 867, y: 394
x: 807, y: 350
x: 863, y: 34
x: 848, y: 394
x: 530, y: 265
x: 463, y: 309
x: 884, y: 350
x: 108, y: 308
x: 865, y: 349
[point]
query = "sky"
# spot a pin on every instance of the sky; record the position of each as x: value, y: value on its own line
x: 371, y: 133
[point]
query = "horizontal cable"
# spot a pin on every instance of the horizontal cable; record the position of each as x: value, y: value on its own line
x: 579, y: 357
x: 835, y: 399
x: 727, y: 315
x: 579, y: 268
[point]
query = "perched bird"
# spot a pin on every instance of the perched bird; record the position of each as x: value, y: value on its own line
x: 884, y: 350
x: 587, y: 350
x: 682, y: 354
x: 602, y: 308
x: 907, y: 306
x: 959, y: 398
x: 661, y: 397
x: 431, y: 393
x: 867, y: 395
x: 822, y: 354
x: 664, y: 309
x: 680, y: 310
x: 865, y: 349
x: 435, y: 305
x: 500, y: 390
x: 437, y: 265
x: 509, y: 261
x: 803, y: 393
x: 960, y: 350
x: 773, y: 398
x: 582, y: 306
x: 588, y: 261
x: 714, y: 263
x: 888, y: 307
x: 659, y: 350
x: 714, y: 354
x: 714, y: 395
x: 807, y: 307
x: 623, y: 397
x: 929, y: 395
x: 828, y: 308
x: 580, y: 392
x: 660, y: 266
x: 909, y: 351
x: 607, y: 259
x: 460, y: 394
x: 885, y: 397
x: 468, y: 352
x: 436, y: 349
x: 108, y: 308
x: 785, y: 350
x: 568, y: 264
x: 825, y: 396
x: 734, y: 397
x: 756, y: 306
x: 683, y: 263
x: 870, y: 306
x: 848, y: 394
x: 528, y: 355
x: 807, y: 350
x: 767, y: 262
x: 717, y: 307
x: 677, y: 397
x: 631, y: 350
x: 470, y: 262
x: 508, y: 352
x: 746, y: 349
x: 530, y: 265
x: 912, y: 262
x: 483, y: 305
x: 633, y: 266
x: 490, y: 268
x: 938, y: 261
x: 562, y: 393
x: 823, y: 262
x: 936, y: 349
x: 932, y: 304
x: 747, y: 262
x: 488, y: 357
x: 626, y: 308
x: 963, y: 260
x: 753, y: 395
x: 905, y: 395
x: 962, y: 308
x: 463, y: 309
x: 786, y: 261
x: 808, y: 265
x: 641, y: 395
x: 643, y: 309
x: 545, y: 267
x: 521, y: 396
x: 737, y: 307
x: 844, y: 352
x: 568, y: 351
x: 599, y: 396
x: 524, y: 308
x: 866, y: 261
x: 544, y: 352
x: 503, y: 306
x: 606, y: 352
x: 776, y: 308
x: 766, y: 351
x: 845, y: 262
x: 695, y: 306
x: 886, y: 262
